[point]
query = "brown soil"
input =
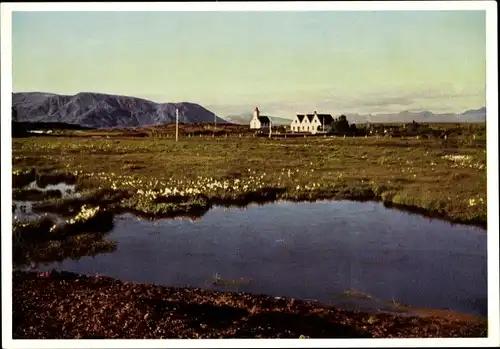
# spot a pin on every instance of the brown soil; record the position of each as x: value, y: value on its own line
x: 67, y: 305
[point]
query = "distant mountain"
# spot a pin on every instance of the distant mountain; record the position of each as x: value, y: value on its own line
x: 244, y: 119
x: 98, y: 110
x: 476, y: 115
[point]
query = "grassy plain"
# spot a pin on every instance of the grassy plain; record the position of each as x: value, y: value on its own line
x: 435, y: 176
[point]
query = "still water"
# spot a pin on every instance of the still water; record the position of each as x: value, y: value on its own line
x: 307, y: 251
x: 23, y: 210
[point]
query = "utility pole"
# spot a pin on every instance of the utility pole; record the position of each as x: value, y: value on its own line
x: 176, y: 124
x: 270, y: 129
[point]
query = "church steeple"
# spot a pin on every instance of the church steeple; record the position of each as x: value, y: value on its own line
x: 256, y: 113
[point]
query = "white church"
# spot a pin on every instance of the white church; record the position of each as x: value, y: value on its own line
x: 259, y: 122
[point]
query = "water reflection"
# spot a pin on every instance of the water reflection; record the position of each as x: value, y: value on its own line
x: 306, y: 250
x: 67, y: 190
x: 22, y: 210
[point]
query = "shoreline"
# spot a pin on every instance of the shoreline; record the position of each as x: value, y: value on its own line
x: 414, y: 210
x: 262, y: 196
x: 69, y: 305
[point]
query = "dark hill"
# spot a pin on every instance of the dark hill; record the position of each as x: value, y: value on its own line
x: 98, y: 110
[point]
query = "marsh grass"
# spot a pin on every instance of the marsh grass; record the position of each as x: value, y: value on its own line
x: 42, y: 176
x: 69, y: 206
x: 46, y: 178
x: 261, y: 195
x: 406, y: 173
x: 162, y: 207
x: 34, y: 194
x: 46, y: 228
x: 41, y: 239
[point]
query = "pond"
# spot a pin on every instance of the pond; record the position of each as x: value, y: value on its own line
x: 23, y: 210
x: 67, y: 190
x: 305, y: 251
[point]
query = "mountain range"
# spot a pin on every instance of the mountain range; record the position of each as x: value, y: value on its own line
x: 99, y: 110
x: 474, y: 115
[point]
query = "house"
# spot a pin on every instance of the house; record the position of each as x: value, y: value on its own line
x: 259, y: 122
x: 312, y: 123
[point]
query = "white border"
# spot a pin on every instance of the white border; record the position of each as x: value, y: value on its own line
x: 257, y: 6
x: 492, y: 169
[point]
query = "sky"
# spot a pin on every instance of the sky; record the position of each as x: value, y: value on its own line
x: 283, y: 62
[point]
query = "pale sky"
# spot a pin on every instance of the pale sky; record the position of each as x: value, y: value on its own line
x: 284, y: 62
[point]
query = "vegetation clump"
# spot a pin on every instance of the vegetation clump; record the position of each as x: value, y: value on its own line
x: 33, y: 240
x: 43, y: 179
x: 35, y: 194
x: 105, y: 197
x: 162, y: 206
